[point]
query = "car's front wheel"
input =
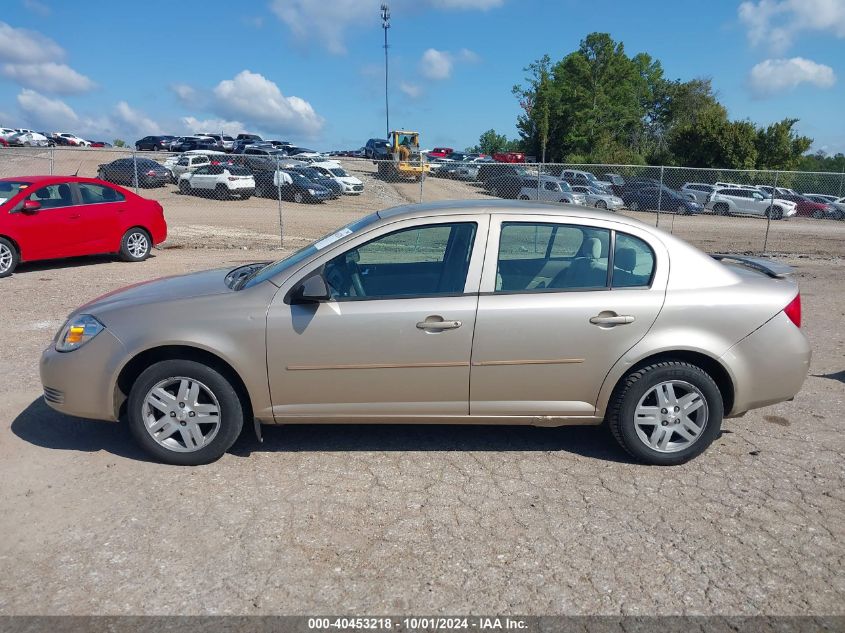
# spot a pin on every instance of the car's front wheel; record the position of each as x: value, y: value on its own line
x: 601, y: 204
x: 185, y: 413
x: 8, y: 257
x: 666, y: 413
x: 136, y: 245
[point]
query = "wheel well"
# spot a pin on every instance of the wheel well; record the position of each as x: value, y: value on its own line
x: 13, y: 242
x: 713, y: 367
x: 130, y: 372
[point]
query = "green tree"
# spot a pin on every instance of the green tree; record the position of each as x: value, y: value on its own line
x: 780, y: 147
x: 714, y: 141
x: 119, y: 142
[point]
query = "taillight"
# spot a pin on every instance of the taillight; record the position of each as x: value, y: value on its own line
x: 151, y: 172
x: 793, y: 310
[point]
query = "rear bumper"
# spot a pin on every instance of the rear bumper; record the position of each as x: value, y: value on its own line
x: 769, y: 365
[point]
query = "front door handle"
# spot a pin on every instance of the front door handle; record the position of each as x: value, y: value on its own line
x: 438, y: 323
x: 611, y: 319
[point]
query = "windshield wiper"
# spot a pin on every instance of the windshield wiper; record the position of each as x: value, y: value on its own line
x: 237, y: 277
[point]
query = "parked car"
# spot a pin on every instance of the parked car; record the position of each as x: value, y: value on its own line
x: 248, y: 137
x: 191, y: 161
x: 294, y: 186
x: 509, y: 157
x: 488, y: 171
x: 219, y: 181
x: 376, y: 148
x: 328, y: 334
x: 507, y: 185
x: 778, y: 191
x: 319, y: 178
x: 838, y: 204
x: 745, y: 202
x: 134, y: 172
x: 72, y: 139
x: 6, y: 132
x: 154, y: 143
x: 579, y: 177
x: 549, y: 188
x: 51, y: 142
x: 99, y: 144
x: 302, y: 153
x: 468, y: 170
x: 806, y: 207
x: 440, y: 152
x: 598, y: 197
x: 27, y: 139
x: 263, y: 150
x: 698, y: 191
x: 3, y: 142
x: 189, y: 143
x: 47, y: 217
x: 332, y: 169
x: 651, y: 198
x: 224, y: 141
x: 617, y: 183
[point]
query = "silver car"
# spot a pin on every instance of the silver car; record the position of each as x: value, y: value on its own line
x: 457, y: 312
x: 598, y: 198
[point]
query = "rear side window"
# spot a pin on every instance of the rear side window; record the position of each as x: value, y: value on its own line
x: 633, y: 262
x: 98, y: 194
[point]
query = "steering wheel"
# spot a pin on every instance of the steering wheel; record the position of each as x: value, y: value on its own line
x: 354, y: 273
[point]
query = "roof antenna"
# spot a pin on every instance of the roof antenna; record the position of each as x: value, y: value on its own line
x: 76, y: 173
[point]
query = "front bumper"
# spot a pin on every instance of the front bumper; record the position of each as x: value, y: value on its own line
x: 82, y: 383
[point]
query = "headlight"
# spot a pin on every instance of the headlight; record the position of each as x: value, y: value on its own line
x: 311, y: 191
x: 76, y: 332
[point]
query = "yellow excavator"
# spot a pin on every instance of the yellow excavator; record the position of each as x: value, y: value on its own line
x: 402, y: 158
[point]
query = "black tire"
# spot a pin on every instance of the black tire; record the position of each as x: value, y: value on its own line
x: 246, y: 195
x: 135, y: 245
x: 221, y: 192
x: 623, y: 403
x: 818, y: 214
x: 776, y: 213
x: 138, y: 148
x: 634, y: 206
x: 230, y: 418
x: 9, y: 257
x: 156, y: 148
x: 298, y: 197
x: 184, y: 187
x: 721, y: 209
x: 601, y: 204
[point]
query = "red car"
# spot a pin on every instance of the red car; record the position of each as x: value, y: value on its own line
x: 805, y: 206
x: 440, y: 152
x: 46, y: 217
x: 509, y: 157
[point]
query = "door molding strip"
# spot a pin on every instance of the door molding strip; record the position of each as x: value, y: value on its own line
x: 532, y: 361
x: 377, y: 366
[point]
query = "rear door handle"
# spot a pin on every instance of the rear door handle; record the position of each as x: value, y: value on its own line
x: 437, y: 323
x: 75, y: 216
x: 607, y: 319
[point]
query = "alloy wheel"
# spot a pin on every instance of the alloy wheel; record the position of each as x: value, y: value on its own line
x: 137, y: 244
x: 6, y: 258
x: 181, y: 414
x: 671, y: 416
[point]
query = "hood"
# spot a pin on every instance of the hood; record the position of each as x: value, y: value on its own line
x: 349, y: 180
x: 205, y: 283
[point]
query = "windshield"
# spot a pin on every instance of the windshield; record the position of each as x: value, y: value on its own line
x: 340, y: 173
x: 300, y: 179
x: 10, y: 188
x: 271, y: 270
x: 311, y: 173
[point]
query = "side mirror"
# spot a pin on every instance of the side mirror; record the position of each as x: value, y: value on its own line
x: 311, y: 290
x: 31, y: 206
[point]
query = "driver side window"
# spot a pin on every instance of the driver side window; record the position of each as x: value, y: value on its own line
x: 419, y: 261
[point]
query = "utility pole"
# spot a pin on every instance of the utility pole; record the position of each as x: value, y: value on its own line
x: 385, y: 24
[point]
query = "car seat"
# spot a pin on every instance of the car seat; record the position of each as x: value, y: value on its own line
x: 588, y: 270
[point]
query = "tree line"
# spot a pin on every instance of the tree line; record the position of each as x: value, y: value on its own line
x: 600, y: 105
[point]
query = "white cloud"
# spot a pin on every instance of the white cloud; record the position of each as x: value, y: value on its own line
x: 775, y: 23
x: 325, y: 22
x: 436, y: 64
x: 46, y: 113
x: 48, y: 76
x: 135, y: 121
x: 774, y: 76
x: 35, y: 61
x: 188, y: 95
x: 212, y: 126
x: 258, y: 101
x: 21, y: 46
x: 412, y: 90
x: 37, y: 7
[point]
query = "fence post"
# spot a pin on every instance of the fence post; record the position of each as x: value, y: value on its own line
x: 769, y: 214
x: 135, y: 165
x: 277, y: 178
x: 422, y: 176
x: 659, y: 197
x: 841, y: 181
x: 52, y: 151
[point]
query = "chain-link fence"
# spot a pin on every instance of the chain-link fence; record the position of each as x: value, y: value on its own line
x: 265, y: 199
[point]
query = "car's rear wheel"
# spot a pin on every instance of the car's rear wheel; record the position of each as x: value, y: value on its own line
x: 184, y: 412
x: 721, y: 209
x: 601, y: 204
x: 184, y: 187
x: 681, y: 210
x: 818, y: 214
x: 137, y: 148
x: 9, y: 257
x: 666, y: 413
x: 221, y: 192
x: 136, y: 245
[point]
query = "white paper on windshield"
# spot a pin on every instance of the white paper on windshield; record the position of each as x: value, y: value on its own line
x: 331, y: 239
x: 2, y: 200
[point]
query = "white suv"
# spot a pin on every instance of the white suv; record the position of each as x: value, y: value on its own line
x: 550, y: 188
x: 332, y: 169
x: 191, y: 161
x: 220, y: 181
x: 72, y: 139
x: 749, y: 202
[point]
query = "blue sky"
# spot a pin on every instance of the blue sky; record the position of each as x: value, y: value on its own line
x: 311, y: 71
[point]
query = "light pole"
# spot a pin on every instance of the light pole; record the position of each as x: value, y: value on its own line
x: 385, y: 24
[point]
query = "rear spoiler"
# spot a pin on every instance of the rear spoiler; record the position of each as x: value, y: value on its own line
x: 762, y: 264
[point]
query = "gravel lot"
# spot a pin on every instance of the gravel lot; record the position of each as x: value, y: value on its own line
x: 413, y: 519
